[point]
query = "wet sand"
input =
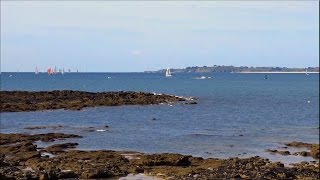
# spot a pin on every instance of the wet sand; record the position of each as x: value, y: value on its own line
x: 20, y: 158
x: 16, y: 101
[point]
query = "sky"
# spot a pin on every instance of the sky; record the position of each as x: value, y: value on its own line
x: 133, y: 36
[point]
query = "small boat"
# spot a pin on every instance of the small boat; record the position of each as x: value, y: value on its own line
x: 265, y: 76
x: 307, y: 72
x: 202, y: 77
x: 62, y: 71
x: 168, y: 73
x: 36, y: 71
x: 55, y: 70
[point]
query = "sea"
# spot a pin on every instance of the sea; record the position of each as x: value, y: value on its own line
x: 236, y: 115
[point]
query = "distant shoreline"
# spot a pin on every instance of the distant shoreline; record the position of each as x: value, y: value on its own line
x: 277, y: 72
x: 148, y: 72
x: 242, y: 69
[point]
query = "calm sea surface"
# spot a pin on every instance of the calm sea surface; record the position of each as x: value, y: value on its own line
x: 236, y: 115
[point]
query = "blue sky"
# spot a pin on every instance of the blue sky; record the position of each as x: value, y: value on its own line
x: 129, y: 36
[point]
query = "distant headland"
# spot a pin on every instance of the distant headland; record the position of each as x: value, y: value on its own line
x: 241, y: 69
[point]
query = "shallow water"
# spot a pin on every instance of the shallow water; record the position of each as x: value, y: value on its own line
x: 236, y: 115
x: 138, y: 177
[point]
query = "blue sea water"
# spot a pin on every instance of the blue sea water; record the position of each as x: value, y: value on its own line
x: 236, y: 115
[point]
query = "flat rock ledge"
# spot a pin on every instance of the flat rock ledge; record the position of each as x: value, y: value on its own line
x: 16, y: 101
x: 20, y: 158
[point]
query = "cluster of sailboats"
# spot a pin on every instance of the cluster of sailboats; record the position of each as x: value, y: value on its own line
x: 52, y: 71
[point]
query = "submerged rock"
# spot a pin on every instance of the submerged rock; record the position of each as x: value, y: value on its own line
x: 49, y: 137
x: 285, y: 153
x: 56, y: 148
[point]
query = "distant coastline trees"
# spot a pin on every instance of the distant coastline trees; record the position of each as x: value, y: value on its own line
x: 233, y: 69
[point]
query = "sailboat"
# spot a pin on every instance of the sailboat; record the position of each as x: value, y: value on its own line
x: 36, y: 71
x: 50, y: 71
x: 307, y: 72
x: 168, y: 73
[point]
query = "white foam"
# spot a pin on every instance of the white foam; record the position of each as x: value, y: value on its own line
x: 202, y: 77
x: 100, y: 130
x: 189, y: 98
x: 47, y: 154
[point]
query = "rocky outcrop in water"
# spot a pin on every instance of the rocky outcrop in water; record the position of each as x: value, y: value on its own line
x: 15, y: 101
x: 21, y: 159
x: 314, y: 149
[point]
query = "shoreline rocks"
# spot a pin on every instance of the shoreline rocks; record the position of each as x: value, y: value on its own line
x: 18, y: 101
x: 21, y: 159
x: 314, y: 149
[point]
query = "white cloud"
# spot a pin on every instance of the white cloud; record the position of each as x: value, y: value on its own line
x: 136, y: 53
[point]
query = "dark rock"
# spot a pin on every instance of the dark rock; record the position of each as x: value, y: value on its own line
x: 285, y: 153
x: 139, y: 170
x: 95, y: 173
x: 302, y: 153
x: 192, y: 102
x: 67, y: 175
x: 15, y: 101
x: 35, y: 127
x: 184, y: 161
x: 56, y: 148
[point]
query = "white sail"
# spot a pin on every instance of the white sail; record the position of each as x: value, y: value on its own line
x: 36, y: 71
x: 168, y: 73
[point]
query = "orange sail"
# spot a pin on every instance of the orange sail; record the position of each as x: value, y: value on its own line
x: 50, y: 71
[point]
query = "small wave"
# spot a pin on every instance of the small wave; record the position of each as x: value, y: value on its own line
x: 201, y: 134
x: 190, y: 98
x: 203, y: 77
x: 157, y: 94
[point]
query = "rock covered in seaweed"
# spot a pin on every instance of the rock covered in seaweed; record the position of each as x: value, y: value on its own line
x: 15, y: 101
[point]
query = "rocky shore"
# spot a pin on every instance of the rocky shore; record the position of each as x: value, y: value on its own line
x: 314, y: 150
x: 15, y: 101
x: 20, y: 158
